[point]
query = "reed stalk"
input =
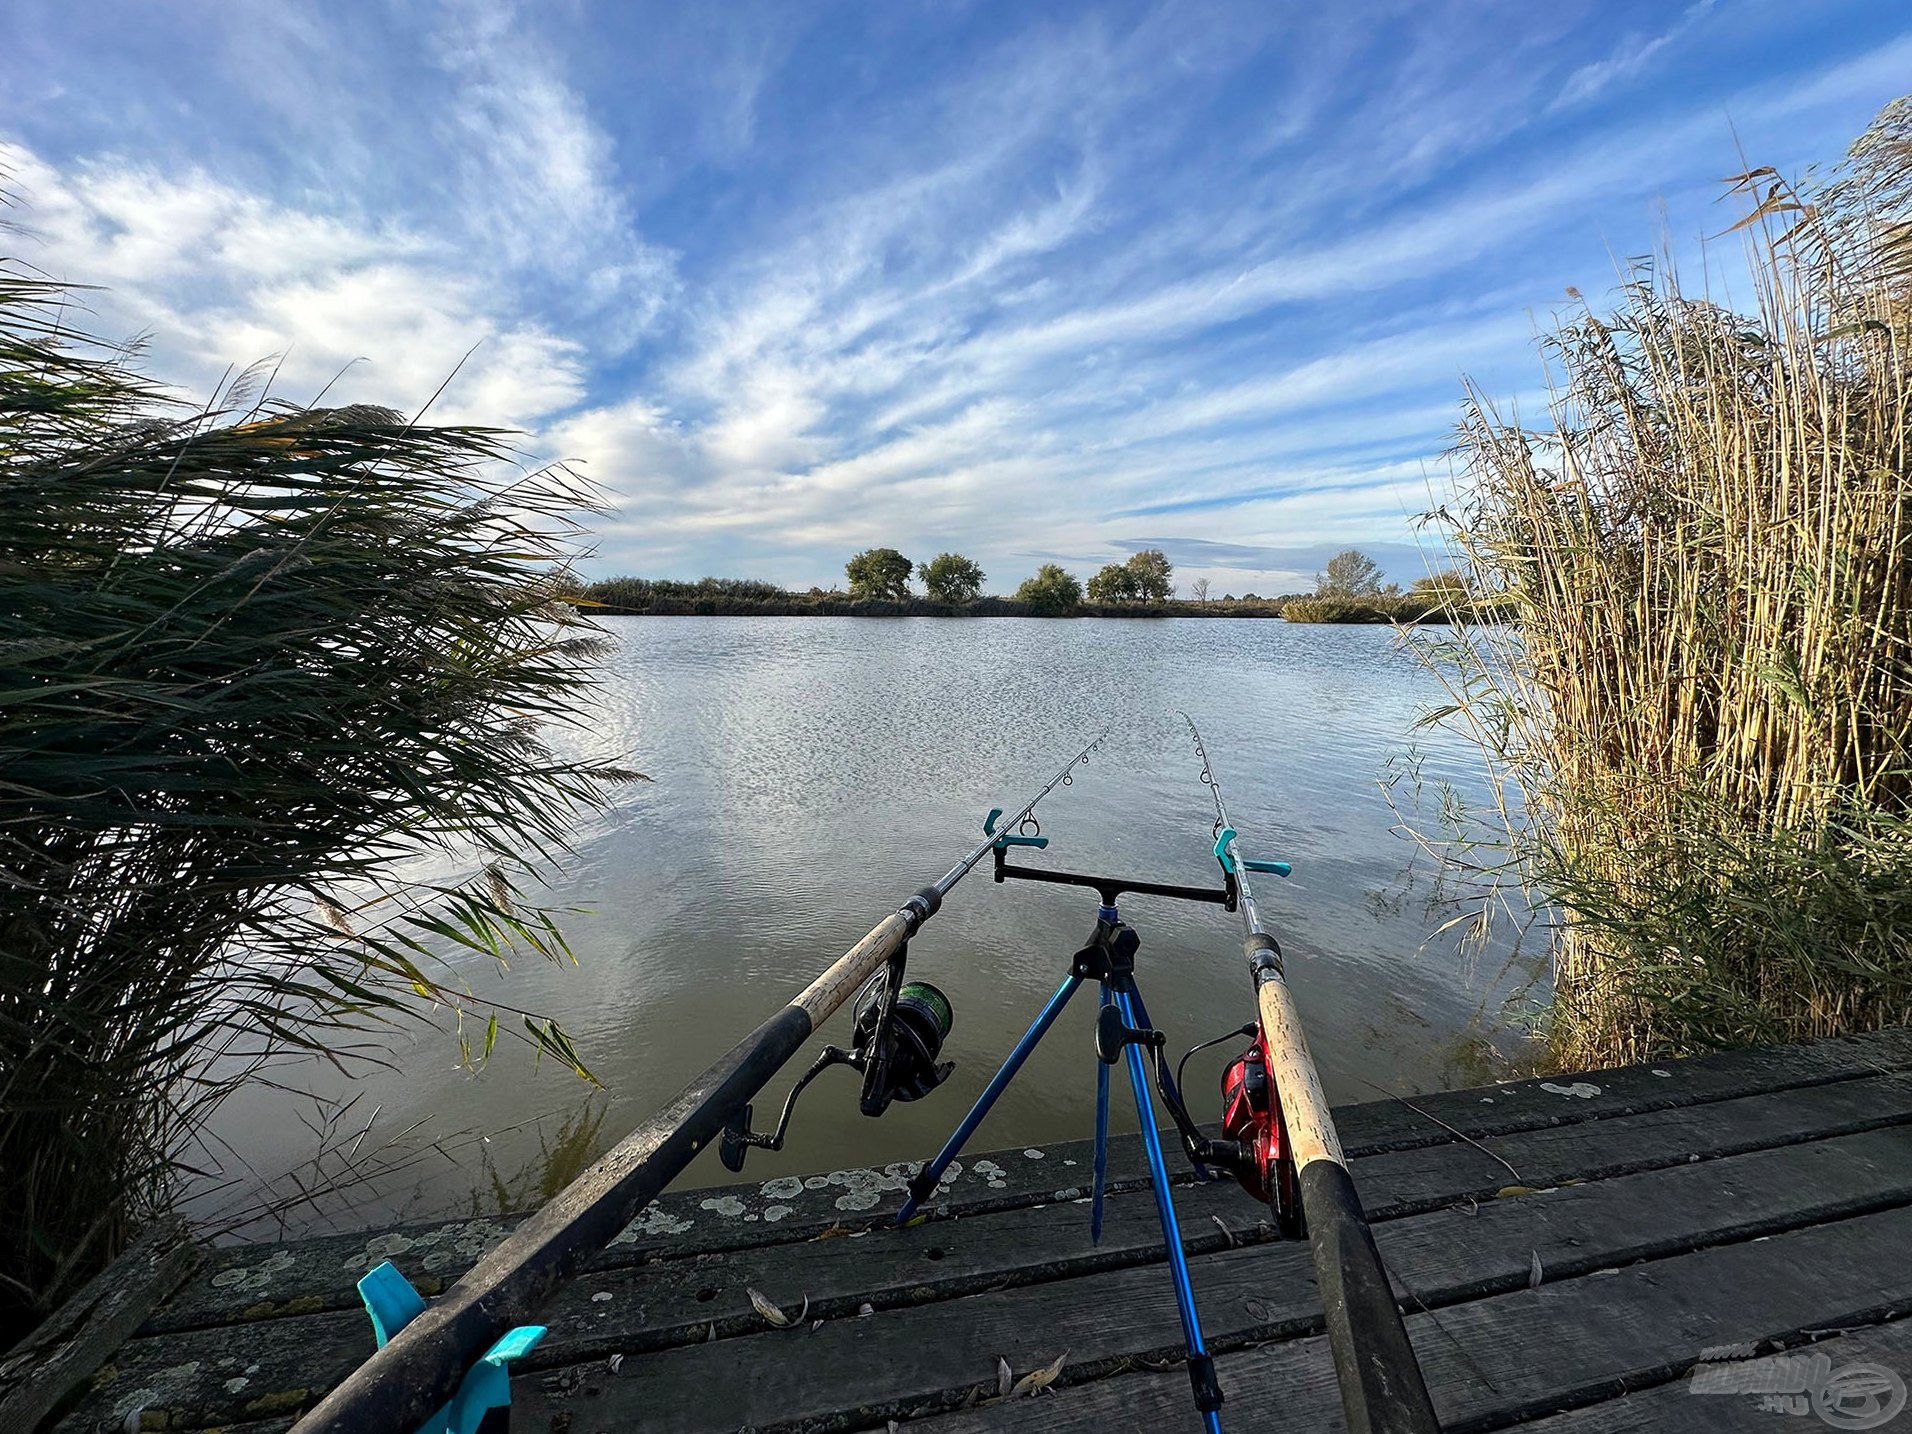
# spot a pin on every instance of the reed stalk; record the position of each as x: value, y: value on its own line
x: 254, y: 661
x: 1702, y: 708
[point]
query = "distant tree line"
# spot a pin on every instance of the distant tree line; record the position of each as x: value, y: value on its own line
x: 883, y: 574
x: 1348, y: 589
x: 1143, y: 578
x: 642, y: 594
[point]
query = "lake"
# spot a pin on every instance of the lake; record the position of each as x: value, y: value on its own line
x: 808, y: 774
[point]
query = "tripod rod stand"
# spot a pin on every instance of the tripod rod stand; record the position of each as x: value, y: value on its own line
x: 1122, y: 1033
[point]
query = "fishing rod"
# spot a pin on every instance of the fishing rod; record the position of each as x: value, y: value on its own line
x: 423, y: 1364
x: 1290, y: 1128
x: 1277, y: 1138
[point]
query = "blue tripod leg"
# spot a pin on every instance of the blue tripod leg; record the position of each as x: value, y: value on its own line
x: 931, y: 1174
x: 1200, y: 1367
x: 1135, y: 995
x: 1101, y: 1141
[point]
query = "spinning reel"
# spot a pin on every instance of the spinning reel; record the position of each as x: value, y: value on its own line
x: 897, y: 1034
x: 1252, y: 1120
x: 1254, y: 1141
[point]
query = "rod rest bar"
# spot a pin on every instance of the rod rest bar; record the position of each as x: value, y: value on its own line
x: 1112, y: 888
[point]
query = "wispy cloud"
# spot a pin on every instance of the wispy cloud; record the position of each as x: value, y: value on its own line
x: 536, y: 177
x: 987, y: 279
x: 1632, y: 56
x: 214, y: 277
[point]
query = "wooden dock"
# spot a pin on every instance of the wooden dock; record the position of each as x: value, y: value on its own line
x: 1568, y: 1250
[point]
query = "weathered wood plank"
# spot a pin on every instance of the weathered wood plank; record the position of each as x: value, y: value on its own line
x: 269, y: 1281
x: 635, y: 1308
x: 631, y: 1310
x: 914, y: 1360
x: 1580, y: 1342
x: 1509, y: 1106
x: 57, y: 1359
x: 1677, y: 1405
x: 1401, y: 1182
x: 951, y: 1258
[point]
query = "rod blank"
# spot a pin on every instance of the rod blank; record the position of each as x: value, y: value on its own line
x: 423, y: 1365
x: 1382, y: 1388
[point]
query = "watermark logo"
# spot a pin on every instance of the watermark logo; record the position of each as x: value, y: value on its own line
x: 1849, y: 1396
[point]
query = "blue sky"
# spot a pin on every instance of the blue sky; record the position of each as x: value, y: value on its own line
x: 1030, y: 282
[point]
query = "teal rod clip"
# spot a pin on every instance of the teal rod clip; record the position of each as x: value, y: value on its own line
x: 1009, y: 839
x: 393, y: 1303
x: 1227, y: 859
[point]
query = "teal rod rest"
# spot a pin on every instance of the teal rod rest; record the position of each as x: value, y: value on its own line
x: 393, y: 1303
x: 1222, y: 854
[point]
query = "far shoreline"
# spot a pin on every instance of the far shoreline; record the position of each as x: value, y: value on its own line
x: 1383, y: 612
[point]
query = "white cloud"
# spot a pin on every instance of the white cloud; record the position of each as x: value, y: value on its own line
x: 535, y: 172
x: 993, y: 305
x: 1633, y: 56
x: 217, y: 278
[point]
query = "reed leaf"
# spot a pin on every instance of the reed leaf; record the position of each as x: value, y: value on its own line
x: 254, y: 660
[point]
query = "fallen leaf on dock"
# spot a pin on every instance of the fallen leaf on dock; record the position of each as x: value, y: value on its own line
x: 1004, y: 1376
x: 616, y: 1362
x: 761, y: 1304
x: 1507, y: 1192
x: 1227, y: 1234
x: 1039, y: 1379
x: 1533, y: 1276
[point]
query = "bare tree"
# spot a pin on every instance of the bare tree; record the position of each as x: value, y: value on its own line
x: 1199, y: 590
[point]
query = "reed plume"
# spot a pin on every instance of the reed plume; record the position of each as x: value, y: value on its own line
x: 253, y: 661
x: 1703, y: 704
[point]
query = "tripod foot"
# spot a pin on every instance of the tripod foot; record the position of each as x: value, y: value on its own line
x: 922, y: 1185
x: 1208, y: 1389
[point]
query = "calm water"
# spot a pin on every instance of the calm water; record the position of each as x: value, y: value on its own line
x: 809, y: 774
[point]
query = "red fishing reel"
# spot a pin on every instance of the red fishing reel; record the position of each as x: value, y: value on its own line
x: 1251, y: 1117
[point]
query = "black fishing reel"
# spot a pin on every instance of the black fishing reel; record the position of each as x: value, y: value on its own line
x: 898, y: 1032
x: 900, y: 1063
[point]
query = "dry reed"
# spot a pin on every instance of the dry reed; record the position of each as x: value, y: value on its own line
x: 1702, y: 712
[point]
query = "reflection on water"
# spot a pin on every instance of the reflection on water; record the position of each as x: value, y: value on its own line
x: 562, y: 1155
x: 810, y: 773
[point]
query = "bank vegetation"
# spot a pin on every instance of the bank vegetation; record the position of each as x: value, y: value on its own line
x: 1701, y: 712
x: 259, y: 661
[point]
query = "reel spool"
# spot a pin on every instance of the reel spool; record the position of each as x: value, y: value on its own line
x: 903, y: 1067
x: 1251, y: 1116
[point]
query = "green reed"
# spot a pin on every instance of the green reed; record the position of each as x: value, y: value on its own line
x: 253, y: 662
